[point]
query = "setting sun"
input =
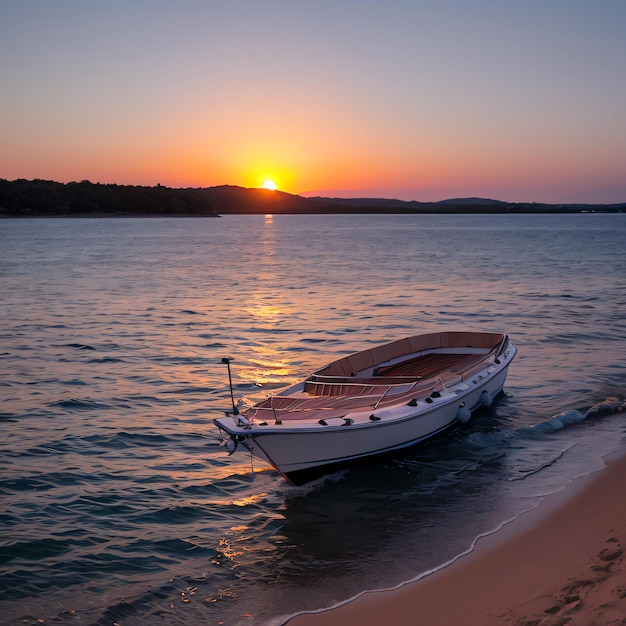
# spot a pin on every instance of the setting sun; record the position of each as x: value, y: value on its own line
x: 269, y: 184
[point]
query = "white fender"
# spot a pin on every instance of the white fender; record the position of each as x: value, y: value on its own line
x: 485, y: 399
x: 463, y: 414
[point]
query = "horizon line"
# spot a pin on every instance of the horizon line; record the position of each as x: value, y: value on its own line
x: 340, y: 194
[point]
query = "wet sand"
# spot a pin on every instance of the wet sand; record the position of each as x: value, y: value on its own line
x: 562, y: 563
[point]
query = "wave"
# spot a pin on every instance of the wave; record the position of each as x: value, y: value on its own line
x: 79, y: 405
x: 189, y: 390
x: 123, y: 439
x: 180, y: 514
x: 107, y: 359
x: 34, y: 550
x: 572, y: 417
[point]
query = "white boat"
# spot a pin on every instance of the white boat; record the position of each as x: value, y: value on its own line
x: 374, y: 402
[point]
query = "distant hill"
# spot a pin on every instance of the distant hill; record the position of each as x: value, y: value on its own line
x: 22, y: 198
x: 483, y: 201
x: 463, y: 205
x: 232, y: 199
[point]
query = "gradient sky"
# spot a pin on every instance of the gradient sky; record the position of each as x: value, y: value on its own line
x: 519, y: 100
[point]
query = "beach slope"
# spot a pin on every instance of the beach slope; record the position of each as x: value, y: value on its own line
x: 562, y: 563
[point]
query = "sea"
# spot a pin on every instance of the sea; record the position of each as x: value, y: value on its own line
x: 120, y: 506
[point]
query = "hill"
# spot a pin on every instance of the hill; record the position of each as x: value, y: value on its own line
x: 463, y: 205
x: 22, y: 198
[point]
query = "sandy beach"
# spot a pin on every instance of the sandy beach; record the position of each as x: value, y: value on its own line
x: 562, y: 563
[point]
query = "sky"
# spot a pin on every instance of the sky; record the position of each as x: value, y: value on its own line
x: 514, y: 100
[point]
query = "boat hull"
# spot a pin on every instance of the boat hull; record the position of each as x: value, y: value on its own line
x: 312, y: 472
x: 303, y: 456
x: 303, y: 450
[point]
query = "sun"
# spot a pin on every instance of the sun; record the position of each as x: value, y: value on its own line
x: 269, y: 184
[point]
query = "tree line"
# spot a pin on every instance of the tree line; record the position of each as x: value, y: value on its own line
x: 48, y: 198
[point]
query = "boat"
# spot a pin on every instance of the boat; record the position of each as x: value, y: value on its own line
x: 375, y: 402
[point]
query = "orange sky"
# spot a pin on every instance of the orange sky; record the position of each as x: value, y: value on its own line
x: 425, y: 101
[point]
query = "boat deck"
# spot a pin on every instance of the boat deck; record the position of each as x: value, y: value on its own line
x: 422, y: 371
x: 428, y: 365
x: 335, y: 396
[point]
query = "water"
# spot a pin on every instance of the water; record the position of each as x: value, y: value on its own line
x: 119, y: 506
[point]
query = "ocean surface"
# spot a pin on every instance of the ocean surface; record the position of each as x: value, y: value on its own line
x: 120, y: 507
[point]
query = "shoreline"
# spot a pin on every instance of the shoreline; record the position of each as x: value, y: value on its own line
x: 355, y: 213
x: 98, y: 216
x: 560, y: 563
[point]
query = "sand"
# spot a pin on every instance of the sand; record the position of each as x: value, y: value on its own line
x: 562, y: 563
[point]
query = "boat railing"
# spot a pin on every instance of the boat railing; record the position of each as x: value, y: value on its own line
x: 350, y: 381
x: 382, y: 396
x: 349, y: 387
x: 316, y: 378
x: 483, y: 364
x: 305, y: 408
x: 503, y: 345
x: 396, y: 390
x: 450, y: 382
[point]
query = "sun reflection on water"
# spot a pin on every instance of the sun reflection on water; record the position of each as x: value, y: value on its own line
x: 267, y: 312
x: 248, y: 500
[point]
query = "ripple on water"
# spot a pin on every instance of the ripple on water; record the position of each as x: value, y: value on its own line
x: 121, y: 505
